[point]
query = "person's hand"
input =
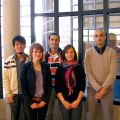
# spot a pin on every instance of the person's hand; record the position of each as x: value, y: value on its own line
x: 101, y: 93
x: 10, y: 99
x: 75, y: 104
x: 66, y: 104
x: 41, y: 104
x: 34, y: 106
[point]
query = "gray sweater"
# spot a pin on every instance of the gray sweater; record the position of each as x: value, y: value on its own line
x: 100, y: 69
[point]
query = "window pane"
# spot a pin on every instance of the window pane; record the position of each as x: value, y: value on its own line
x: 75, y: 40
x: 25, y: 2
x: 75, y: 33
x: 25, y: 31
x: 92, y: 4
x: 65, y: 31
x: 43, y: 27
x: 90, y: 24
x: 25, y: 21
x: 43, y: 6
x: 25, y: 10
x: 68, y: 5
x: 114, y: 3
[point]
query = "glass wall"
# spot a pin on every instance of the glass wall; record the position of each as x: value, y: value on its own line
x: 114, y: 3
x: 90, y: 24
x: 68, y: 5
x: 42, y: 6
x: 44, y: 26
x: 92, y: 4
x: 25, y: 22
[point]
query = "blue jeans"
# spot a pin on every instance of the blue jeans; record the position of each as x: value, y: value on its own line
x: 74, y: 114
x: 51, y: 105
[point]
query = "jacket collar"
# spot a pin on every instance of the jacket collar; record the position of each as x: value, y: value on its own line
x: 26, y: 55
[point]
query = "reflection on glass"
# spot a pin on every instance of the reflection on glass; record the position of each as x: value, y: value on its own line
x: 43, y: 27
x: 43, y: 6
x: 92, y: 4
x: 114, y: 42
x: 114, y: 3
x: 114, y: 36
x: 68, y: 5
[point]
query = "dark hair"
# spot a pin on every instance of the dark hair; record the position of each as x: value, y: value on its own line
x: 18, y: 38
x: 35, y: 46
x: 54, y: 33
x: 65, y: 49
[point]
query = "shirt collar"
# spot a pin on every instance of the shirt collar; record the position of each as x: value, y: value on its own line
x: 100, y: 50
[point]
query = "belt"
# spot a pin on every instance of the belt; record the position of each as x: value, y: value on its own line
x: 37, y: 99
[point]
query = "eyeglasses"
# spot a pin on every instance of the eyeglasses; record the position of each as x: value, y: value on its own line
x: 37, y: 51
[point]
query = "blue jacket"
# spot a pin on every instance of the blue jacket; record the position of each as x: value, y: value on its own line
x: 28, y: 81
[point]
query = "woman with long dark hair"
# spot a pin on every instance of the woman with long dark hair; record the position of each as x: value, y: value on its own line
x: 70, y: 85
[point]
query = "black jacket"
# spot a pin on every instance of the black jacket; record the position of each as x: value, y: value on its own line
x: 60, y: 85
x: 28, y: 81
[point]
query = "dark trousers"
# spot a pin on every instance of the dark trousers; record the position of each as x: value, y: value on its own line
x: 74, y: 114
x: 36, y: 114
x: 16, y: 108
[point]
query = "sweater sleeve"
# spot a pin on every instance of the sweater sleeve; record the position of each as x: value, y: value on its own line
x: 95, y: 85
x: 6, y: 80
x: 112, y: 72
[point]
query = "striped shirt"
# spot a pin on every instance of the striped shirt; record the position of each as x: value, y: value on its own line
x: 54, y: 62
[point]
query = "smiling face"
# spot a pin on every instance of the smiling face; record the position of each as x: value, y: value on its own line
x: 69, y: 54
x: 54, y: 41
x: 37, y: 55
x: 19, y: 47
x: 99, y: 38
x: 36, y: 52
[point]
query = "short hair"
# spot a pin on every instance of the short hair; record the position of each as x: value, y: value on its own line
x: 18, y: 38
x: 53, y: 33
x: 100, y: 29
x: 37, y: 46
x: 65, y: 49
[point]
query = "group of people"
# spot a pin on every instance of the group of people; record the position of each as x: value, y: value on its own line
x: 37, y: 80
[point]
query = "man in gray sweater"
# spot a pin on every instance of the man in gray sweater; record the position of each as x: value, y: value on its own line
x: 100, y: 64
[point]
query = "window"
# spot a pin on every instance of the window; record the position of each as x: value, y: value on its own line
x: 92, y: 4
x: 25, y: 22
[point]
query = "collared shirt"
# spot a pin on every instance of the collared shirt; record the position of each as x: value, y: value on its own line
x: 100, y: 50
